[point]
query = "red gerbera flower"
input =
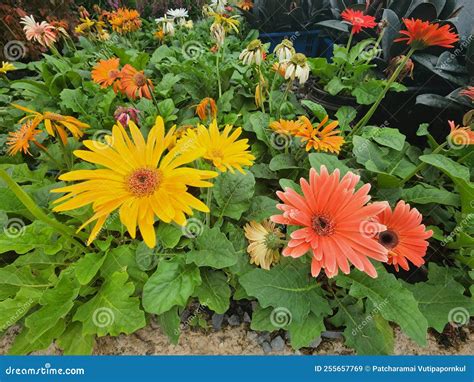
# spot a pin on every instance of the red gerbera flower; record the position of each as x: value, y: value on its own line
x: 421, y: 34
x: 358, y: 20
x: 405, y: 237
x: 333, y: 217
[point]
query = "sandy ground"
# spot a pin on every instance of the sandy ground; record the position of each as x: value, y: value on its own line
x: 234, y: 340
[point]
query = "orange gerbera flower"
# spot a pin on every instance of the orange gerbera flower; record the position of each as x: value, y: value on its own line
x: 468, y: 92
x: 135, y: 84
x: 358, y: 20
x: 107, y: 73
x: 321, y: 138
x: 286, y: 127
x: 331, y: 213
x: 246, y: 5
x: 421, y: 34
x: 19, y: 141
x: 125, y: 20
x: 207, y: 108
x: 405, y: 237
x: 460, y: 136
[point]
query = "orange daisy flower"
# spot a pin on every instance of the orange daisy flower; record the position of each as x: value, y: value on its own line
x: 330, y: 213
x: 321, y: 138
x: 207, y: 108
x: 286, y: 127
x: 19, y: 141
x: 246, y: 5
x: 358, y: 20
x: 421, y: 34
x: 280, y: 68
x: 460, y: 136
x: 107, y: 73
x: 405, y: 237
x: 125, y: 20
x: 135, y: 84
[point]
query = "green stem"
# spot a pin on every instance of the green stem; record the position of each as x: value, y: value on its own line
x: 53, y: 159
x: 218, y: 74
x: 153, y: 96
x: 36, y: 211
x: 365, y: 119
x: 463, y: 159
x: 208, y: 203
x: 376, y: 46
x: 272, y: 88
x: 67, y: 157
x: 421, y: 166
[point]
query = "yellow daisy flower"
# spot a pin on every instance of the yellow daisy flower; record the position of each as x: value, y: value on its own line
x: 222, y: 149
x: 228, y: 22
x: 137, y: 178
x: 264, y: 243
x: 6, y: 67
x: 286, y: 127
x: 55, y: 123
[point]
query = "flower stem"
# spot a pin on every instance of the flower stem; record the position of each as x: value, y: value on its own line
x: 218, y: 74
x: 36, y: 211
x: 208, y: 203
x: 365, y: 119
x: 272, y: 88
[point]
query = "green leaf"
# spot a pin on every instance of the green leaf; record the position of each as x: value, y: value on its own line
x: 315, y: 108
x: 345, y: 115
x: 283, y: 162
x: 172, y: 284
x: 24, y: 345
x: 74, y: 99
x: 287, y: 285
x: 367, y: 93
x: 74, y: 342
x: 424, y: 194
x: 122, y: 259
x: 335, y: 86
x: 261, y: 207
x: 88, y: 266
x: 330, y: 161
x: 22, y: 238
x: 168, y: 235
x: 112, y: 310
x: 386, y: 136
x: 13, y: 309
x: 56, y: 304
x: 423, y: 130
x: 441, y: 298
x: 395, y: 302
x: 233, y: 193
x: 302, y: 334
x: 214, y: 292
x: 169, y: 322
x: 365, y: 331
x: 258, y: 123
x: 261, y: 321
x: 213, y: 249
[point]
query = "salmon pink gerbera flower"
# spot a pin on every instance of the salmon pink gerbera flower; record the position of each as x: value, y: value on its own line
x: 333, y: 217
x: 358, y: 20
x: 468, y: 92
x: 44, y: 33
x: 421, y: 34
x: 405, y: 237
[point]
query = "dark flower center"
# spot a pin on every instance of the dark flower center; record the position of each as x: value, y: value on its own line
x: 140, y: 79
x: 389, y: 239
x: 322, y: 225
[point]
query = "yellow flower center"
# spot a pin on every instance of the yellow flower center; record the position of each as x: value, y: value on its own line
x: 322, y: 225
x: 140, y: 79
x: 217, y: 154
x: 144, y: 182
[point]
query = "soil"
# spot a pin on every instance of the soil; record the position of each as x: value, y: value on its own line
x: 239, y: 340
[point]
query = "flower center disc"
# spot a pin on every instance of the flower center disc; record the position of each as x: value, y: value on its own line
x: 140, y: 79
x: 322, y: 225
x: 388, y: 239
x: 144, y: 182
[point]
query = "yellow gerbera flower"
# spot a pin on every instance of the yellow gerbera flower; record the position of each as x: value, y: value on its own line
x: 55, y: 123
x: 222, y: 149
x: 228, y: 22
x: 138, y: 179
x: 321, y: 138
x: 264, y: 243
x: 6, y: 67
x: 286, y: 127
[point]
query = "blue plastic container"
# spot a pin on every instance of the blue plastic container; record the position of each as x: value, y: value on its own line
x: 308, y: 42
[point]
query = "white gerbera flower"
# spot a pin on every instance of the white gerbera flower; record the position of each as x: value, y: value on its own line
x: 178, y: 13
x: 253, y: 54
x: 298, y: 68
x: 219, y: 5
x: 284, y: 51
x: 167, y: 25
x: 218, y: 33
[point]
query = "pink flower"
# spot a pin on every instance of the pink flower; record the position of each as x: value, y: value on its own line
x: 337, y: 224
x: 44, y: 33
x: 126, y: 114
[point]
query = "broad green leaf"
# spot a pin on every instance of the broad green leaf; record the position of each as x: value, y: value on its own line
x: 318, y: 110
x: 302, y: 334
x: 169, y: 322
x: 287, y: 285
x: 74, y: 99
x: 13, y: 309
x: 56, y: 303
x: 385, y: 136
x: 441, y: 299
x: 112, y: 310
x: 168, y: 235
x: 261, y: 321
x: 233, y: 193
x: 395, y: 302
x: 22, y: 277
x: 74, y: 342
x: 421, y: 194
x: 88, y: 266
x: 345, y: 115
x: 172, y: 284
x: 24, y: 345
x: 261, y: 207
x: 258, y: 123
x: 20, y: 173
x: 335, y: 86
x: 22, y: 238
x: 365, y: 331
x: 283, y: 162
x: 330, y: 161
x: 214, y: 292
x: 367, y: 92
x: 122, y: 259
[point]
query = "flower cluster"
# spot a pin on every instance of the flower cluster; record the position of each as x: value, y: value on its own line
x: 125, y: 20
